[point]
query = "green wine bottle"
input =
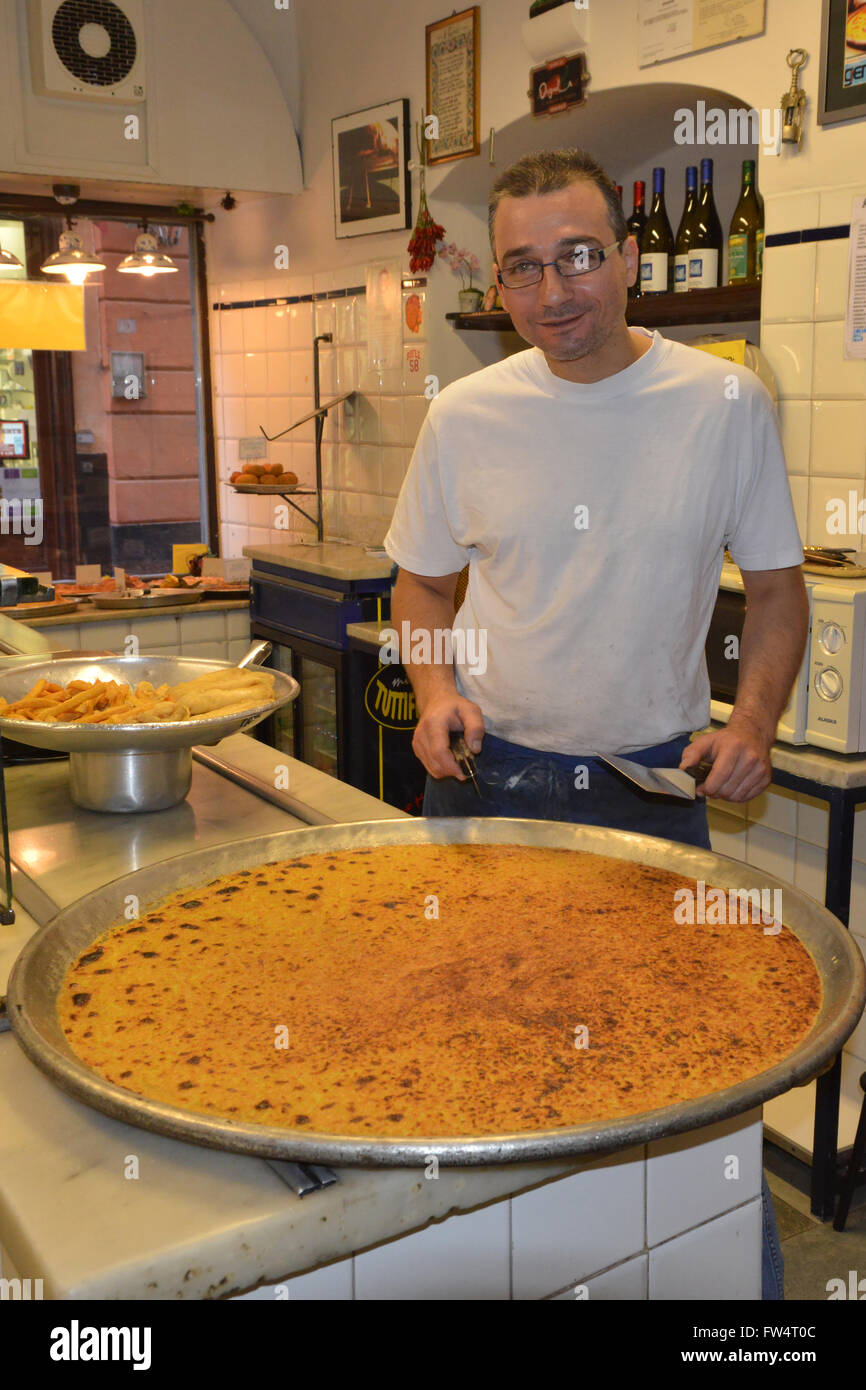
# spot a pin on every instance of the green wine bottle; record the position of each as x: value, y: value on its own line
x: 657, y: 244
x: 684, y: 233
x: 705, y: 249
x: 746, y: 237
x: 636, y: 224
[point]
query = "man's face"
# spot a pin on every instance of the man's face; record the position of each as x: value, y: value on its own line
x: 567, y: 317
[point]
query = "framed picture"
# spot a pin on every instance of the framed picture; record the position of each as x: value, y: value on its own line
x: 14, y: 439
x: 453, y: 85
x: 843, y: 61
x: 371, y: 170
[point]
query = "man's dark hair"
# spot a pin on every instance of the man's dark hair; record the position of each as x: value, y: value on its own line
x: 548, y: 172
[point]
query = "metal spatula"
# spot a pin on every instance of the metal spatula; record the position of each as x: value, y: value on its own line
x: 661, y: 781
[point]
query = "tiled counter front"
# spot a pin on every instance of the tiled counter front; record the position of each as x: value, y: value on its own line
x: 214, y: 632
x: 786, y: 834
x: 679, y: 1219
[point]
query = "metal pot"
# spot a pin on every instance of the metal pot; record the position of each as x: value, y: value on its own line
x: 132, y: 767
x: 130, y: 781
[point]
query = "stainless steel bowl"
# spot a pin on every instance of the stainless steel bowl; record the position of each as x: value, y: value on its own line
x: 129, y: 767
x: 39, y: 972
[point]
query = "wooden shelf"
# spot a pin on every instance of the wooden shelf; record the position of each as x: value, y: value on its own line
x: 489, y: 320
x: 726, y: 304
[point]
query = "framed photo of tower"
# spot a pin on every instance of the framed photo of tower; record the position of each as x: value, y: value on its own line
x: 370, y: 151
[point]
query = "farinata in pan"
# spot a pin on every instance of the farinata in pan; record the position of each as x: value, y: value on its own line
x: 422, y: 990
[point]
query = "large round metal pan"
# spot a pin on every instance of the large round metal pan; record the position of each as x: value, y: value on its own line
x: 130, y: 738
x: 164, y: 598
x: 50, y: 608
x: 40, y: 969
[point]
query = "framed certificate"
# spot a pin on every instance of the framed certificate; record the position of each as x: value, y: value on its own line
x: 453, y: 47
x: 842, y: 95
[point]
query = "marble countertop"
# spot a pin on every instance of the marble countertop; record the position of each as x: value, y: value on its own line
x: 837, y: 770
x: 327, y: 558
x: 367, y: 633
x: 196, y: 1223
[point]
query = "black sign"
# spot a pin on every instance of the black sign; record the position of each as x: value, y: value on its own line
x: 557, y: 85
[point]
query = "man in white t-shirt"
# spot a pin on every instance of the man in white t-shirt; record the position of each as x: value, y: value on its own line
x: 591, y: 483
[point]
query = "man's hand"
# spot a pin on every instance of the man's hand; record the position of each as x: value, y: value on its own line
x: 442, y: 714
x: 740, y: 755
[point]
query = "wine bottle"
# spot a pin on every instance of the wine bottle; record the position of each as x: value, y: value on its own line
x: 684, y: 232
x: 705, y: 249
x: 657, y: 243
x: 636, y: 224
x: 746, y: 238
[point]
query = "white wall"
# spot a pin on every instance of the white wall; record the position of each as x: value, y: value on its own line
x: 215, y: 114
x: 377, y: 48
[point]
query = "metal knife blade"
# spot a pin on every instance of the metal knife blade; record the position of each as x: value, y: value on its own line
x: 661, y: 781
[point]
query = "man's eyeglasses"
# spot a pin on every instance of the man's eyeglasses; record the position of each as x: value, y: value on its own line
x: 579, y: 261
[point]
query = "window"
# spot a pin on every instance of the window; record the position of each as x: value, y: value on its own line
x: 119, y: 436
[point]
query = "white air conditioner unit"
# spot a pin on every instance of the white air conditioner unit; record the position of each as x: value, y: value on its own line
x: 88, y: 49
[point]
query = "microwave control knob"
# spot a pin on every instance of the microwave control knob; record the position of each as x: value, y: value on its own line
x: 832, y: 637
x: 828, y: 683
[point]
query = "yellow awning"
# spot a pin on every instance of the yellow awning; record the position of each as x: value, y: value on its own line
x: 37, y: 315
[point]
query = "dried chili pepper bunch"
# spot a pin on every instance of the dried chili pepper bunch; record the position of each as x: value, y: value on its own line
x: 422, y: 247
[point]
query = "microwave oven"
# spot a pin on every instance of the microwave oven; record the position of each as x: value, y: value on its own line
x: 827, y: 704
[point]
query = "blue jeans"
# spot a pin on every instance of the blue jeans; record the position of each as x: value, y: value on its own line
x: 530, y: 785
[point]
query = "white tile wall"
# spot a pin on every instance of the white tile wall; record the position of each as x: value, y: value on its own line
x: 835, y: 376
x: 803, y: 308
x: 691, y: 1180
x: 625, y: 1283
x: 465, y: 1257
x: 215, y: 635
x: 788, y: 284
x: 566, y: 1231
x: 788, y: 349
x: 717, y: 1262
x: 667, y: 1221
x: 831, y: 279
x: 838, y: 438
x: 263, y: 374
x: 796, y: 422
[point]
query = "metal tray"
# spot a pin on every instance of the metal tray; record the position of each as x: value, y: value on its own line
x: 166, y: 598
x: 50, y: 608
x: 262, y: 489
x: 129, y: 738
x: 40, y: 969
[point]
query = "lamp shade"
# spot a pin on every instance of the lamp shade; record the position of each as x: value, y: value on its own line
x: 147, y: 259
x: 72, y: 260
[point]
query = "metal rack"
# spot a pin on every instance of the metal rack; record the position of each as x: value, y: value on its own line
x: 319, y: 414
